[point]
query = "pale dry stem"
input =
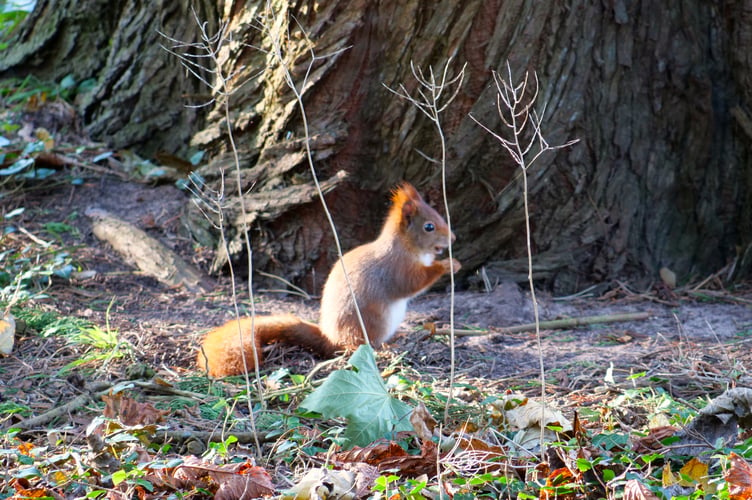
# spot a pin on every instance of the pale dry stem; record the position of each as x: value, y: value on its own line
x: 515, y: 107
x: 206, y: 59
x: 431, y: 102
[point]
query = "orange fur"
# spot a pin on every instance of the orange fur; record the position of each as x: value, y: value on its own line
x: 225, y: 347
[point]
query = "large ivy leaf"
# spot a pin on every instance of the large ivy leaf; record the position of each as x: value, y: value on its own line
x: 360, y: 396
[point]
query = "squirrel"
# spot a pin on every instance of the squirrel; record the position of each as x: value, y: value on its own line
x: 384, y: 274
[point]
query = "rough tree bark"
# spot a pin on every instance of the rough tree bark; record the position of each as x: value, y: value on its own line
x: 140, y: 95
x: 658, y: 93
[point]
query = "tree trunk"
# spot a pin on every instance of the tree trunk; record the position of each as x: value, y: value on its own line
x: 140, y: 95
x: 657, y: 93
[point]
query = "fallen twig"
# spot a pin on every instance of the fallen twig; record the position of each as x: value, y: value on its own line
x: 556, y: 324
x: 33, y: 423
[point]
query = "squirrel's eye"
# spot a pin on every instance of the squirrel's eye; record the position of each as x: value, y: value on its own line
x: 429, y: 227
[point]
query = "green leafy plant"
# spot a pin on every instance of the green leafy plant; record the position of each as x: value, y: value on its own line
x: 222, y: 448
x: 386, y: 485
x: 12, y: 14
x: 360, y: 396
x: 105, y: 342
x: 25, y: 274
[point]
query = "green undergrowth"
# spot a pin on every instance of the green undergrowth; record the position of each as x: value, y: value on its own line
x: 599, y: 458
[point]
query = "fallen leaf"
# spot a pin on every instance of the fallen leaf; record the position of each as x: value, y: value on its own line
x: 414, y: 465
x: 130, y: 412
x: 44, y: 135
x: 635, y: 490
x: 246, y: 482
x: 739, y: 478
x: 237, y: 481
x: 667, y: 477
x: 556, y: 480
x: 652, y: 442
x: 533, y: 414
x: 528, y: 417
x: 25, y: 448
x: 323, y: 483
x: 423, y: 423
x: 668, y: 277
x: 7, y: 334
x: 25, y: 491
x: 697, y: 473
x: 373, y: 455
x: 360, y: 396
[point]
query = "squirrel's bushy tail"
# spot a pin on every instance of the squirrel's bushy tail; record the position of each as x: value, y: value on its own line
x: 223, y: 349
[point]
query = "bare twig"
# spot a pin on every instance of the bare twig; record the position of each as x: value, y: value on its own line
x: 430, y: 100
x: 514, y: 105
x: 204, y: 59
x: 554, y: 324
x: 278, y: 50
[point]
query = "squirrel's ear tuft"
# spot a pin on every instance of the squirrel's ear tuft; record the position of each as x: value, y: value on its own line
x: 406, y: 199
x: 405, y: 192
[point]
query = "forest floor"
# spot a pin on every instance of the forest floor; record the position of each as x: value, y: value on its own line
x: 694, y: 343
x: 691, y: 328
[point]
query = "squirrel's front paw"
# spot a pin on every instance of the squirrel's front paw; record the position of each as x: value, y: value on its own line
x: 455, y: 265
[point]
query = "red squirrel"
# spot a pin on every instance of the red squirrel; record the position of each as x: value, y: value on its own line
x: 384, y: 275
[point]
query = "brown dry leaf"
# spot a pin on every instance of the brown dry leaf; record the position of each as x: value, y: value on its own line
x: 652, y: 442
x: 365, y: 476
x: 25, y: 491
x: 239, y: 481
x: 130, y: 412
x: 24, y: 494
x: 635, y: 490
x: 430, y: 328
x: 423, y: 423
x: 244, y: 482
x: 414, y: 465
x: 739, y: 478
x: 372, y: 455
x: 191, y: 473
x: 577, y: 427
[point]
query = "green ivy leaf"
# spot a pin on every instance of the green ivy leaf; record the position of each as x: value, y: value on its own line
x: 360, y: 396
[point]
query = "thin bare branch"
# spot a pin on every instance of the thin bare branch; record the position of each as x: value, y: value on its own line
x: 430, y: 103
x: 519, y: 118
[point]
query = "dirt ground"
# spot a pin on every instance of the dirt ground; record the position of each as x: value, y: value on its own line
x: 692, y: 339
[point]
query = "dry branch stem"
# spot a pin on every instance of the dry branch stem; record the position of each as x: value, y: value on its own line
x: 94, y: 392
x: 212, y: 436
x: 555, y: 324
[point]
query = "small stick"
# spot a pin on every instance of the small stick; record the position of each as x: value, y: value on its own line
x: 33, y: 423
x: 556, y: 324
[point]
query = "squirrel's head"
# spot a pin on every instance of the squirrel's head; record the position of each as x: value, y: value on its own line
x: 422, y: 226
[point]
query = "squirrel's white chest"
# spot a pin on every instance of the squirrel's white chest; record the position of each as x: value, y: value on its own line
x: 394, y: 314
x: 427, y: 258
